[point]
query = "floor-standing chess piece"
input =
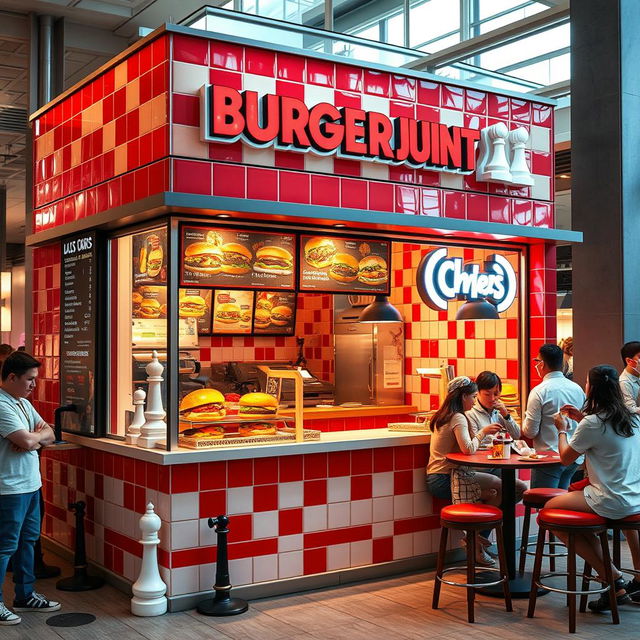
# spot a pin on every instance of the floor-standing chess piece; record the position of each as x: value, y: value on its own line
x: 133, y: 432
x: 222, y: 604
x: 155, y: 428
x: 149, y: 589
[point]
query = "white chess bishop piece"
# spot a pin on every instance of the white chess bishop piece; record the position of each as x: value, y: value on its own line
x: 133, y: 432
x: 520, y: 173
x: 149, y: 589
x: 155, y: 428
x: 493, y: 165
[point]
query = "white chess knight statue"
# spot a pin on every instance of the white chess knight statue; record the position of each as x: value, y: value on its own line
x: 149, y: 589
x: 133, y: 432
x: 155, y: 428
x: 502, y: 157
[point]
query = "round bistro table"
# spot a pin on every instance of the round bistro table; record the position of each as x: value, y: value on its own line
x: 519, y: 583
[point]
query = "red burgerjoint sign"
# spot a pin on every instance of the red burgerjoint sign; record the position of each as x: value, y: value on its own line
x: 288, y: 123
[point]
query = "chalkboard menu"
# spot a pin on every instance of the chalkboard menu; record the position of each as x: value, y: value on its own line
x: 78, y: 324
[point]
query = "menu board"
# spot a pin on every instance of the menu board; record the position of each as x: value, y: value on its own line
x: 344, y: 265
x: 220, y: 257
x: 148, y: 301
x: 197, y: 303
x: 78, y: 322
x: 150, y: 256
x: 275, y: 313
x: 232, y: 312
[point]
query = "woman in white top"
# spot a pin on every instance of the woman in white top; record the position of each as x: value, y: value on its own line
x: 609, y: 436
x: 452, y: 433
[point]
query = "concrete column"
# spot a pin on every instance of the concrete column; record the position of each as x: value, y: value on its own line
x: 605, y: 139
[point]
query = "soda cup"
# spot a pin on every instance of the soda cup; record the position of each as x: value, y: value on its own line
x: 501, y: 448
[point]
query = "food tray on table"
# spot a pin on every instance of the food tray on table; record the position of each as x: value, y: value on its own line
x: 231, y: 438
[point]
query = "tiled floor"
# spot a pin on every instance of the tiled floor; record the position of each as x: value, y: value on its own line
x: 391, y: 608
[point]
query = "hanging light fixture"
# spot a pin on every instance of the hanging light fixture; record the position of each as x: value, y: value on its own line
x: 380, y: 310
x: 477, y: 310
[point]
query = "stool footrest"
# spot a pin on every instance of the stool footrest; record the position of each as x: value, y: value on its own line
x: 580, y: 592
x: 477, y: 585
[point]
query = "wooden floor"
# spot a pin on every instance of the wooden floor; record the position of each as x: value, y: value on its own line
x: 391, y: 608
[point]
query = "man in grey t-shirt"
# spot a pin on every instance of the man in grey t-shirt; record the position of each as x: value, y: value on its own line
x: 22, y: 433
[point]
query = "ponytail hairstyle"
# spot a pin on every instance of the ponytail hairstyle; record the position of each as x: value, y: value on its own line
x: 604, y: 398
x: 458, y: 387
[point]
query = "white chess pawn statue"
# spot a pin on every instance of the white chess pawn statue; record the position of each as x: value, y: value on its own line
x: 520, y: 173
x: 149, y: 589
x: 155, y: 428
x: 493, y: 164
x: 133, y: 432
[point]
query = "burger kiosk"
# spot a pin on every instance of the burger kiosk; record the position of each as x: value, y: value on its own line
x: 230, y: 204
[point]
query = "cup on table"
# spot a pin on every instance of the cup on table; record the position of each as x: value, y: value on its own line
x: 501, y: 447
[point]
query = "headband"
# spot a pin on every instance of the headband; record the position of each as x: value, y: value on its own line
x: 456, y: 383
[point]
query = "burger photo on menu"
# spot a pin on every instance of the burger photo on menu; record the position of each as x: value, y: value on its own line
x: 281, y: 315
x: 373, y: 270
x: 319, y: 252
x: 274, y: 260
x: 236, y: 258
x: 155, y: 258
x: 344, y: 268
x: 228, y: 313
x: 264, y: 303
x: 192, y: 306
x: 262, y: 319
x: 203, y: 257
x: 258, y: 405
x: 149, y: 308
x: 202, y: 405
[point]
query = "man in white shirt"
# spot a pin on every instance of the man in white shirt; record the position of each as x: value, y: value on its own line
x: 543, y: 403
x: 630, y: 377
x: 22, y: 433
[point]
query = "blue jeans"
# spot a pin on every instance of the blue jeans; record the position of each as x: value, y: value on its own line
x: 556, y: 477
x: 439, y: 485
x: 19, y: 530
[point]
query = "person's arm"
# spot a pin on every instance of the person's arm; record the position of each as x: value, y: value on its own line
x: 461, y: 431
x: 629, y: 396
x: 568, y: 454
x: 27, y: 440
x: 532, y: 416
x: 507, y: 422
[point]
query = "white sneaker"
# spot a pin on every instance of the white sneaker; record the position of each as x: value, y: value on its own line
x: 483, y: 559
x: 7, y: 617
x: 36, y: 602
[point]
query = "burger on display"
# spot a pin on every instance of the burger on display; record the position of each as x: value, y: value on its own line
x: 373, y: 270
x: 257, y: 429
x: 202, y: 405
x: 319, y: 252
x: 228, y: 313
x: 281, y: 315
x: 149, y: 308
x: 192, y: 307
x: 344, y: 268
x: 274, y: 260
x: 258, y: 405
x: 236, y: 258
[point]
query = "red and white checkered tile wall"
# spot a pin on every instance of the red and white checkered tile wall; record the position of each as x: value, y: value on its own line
x: 290, y: 515
x: 46, y: 328
x: 435, y: 337
x: 106, y: 144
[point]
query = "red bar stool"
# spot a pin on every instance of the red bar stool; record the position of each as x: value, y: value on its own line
x: 471, y: 518
x: 630, y: 522
x: 536, y: 499
x: 572, y: 522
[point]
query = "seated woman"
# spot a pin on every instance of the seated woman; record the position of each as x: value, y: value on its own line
x: 489, y: 409
x: 451, y: 433
x: 609, y: 436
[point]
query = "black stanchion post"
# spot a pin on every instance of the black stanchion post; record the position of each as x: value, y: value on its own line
x: 80, y: 580
x: 222, y: 604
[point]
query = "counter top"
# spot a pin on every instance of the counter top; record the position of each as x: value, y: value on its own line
x: 334, y: 441
x: 322, y: 413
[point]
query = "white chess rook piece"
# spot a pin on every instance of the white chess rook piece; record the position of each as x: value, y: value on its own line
x: 493, y: 165
x: 155, y: 428
x: 520, y: 173
x: 133, y: 432
x: 149, y: 589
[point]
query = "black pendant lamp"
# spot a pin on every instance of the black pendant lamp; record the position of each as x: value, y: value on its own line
x: 380, y: 310
x: 477, y: 310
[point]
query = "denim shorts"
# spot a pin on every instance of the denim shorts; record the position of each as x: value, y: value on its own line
x: 439, y: 485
